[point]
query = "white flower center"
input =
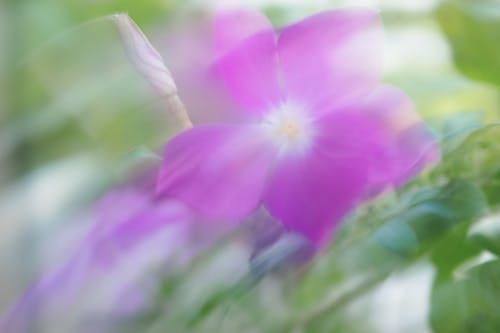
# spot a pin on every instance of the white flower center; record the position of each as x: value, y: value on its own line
x: 289, y: 127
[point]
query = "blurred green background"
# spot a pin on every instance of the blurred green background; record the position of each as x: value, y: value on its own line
x: 75, y: 118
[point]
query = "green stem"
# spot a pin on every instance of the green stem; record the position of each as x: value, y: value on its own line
x: 332, y: 303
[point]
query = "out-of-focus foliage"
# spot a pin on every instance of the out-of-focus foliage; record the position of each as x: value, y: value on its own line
x: 468, y: 303
x: 68, y: 78
x: 472, y: 28
x: 72, y: 93
x: 464, y: 289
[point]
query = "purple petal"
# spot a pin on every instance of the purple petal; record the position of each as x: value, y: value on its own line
x: 233, y: 27
x: 219, y: 170
x: 333, y: 57
x: 123, y: 233
x: 410, y: 146
x: 311, y: 193
x: 190, y: 55
x: 310, y: 196
x: 249, y: 72
x: 130, y: 233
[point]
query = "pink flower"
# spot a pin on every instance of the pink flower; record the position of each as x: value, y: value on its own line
x: 315, y: 131
x: 130, y: 235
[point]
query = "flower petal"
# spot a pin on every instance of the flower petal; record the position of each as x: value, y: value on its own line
x: 130, y: 235
x: 332, y: 56
x: 311, y: 193
x: 224, y: 66
x: 249, y: 72
x: 121, y: 228
x: 310, y: 196
x: 189, y: 51
x: 234, y: 26
x: 219, y: 170
x: 410, y: 146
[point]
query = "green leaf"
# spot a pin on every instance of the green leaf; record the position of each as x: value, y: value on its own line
x: 433, y: 214
x: 464, y: 199
x: 472, y: 28
x: 398, y: 237
x: 486, y: 233
x: 476, y: 159
x: 468, y: 304
x: 452, y: 250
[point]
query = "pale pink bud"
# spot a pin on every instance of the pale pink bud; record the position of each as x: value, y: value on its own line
x: 150, y: 65
x: 144, y: 56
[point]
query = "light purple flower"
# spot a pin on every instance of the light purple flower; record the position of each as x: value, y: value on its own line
x: 310, y: 131
x: 131, y: 233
